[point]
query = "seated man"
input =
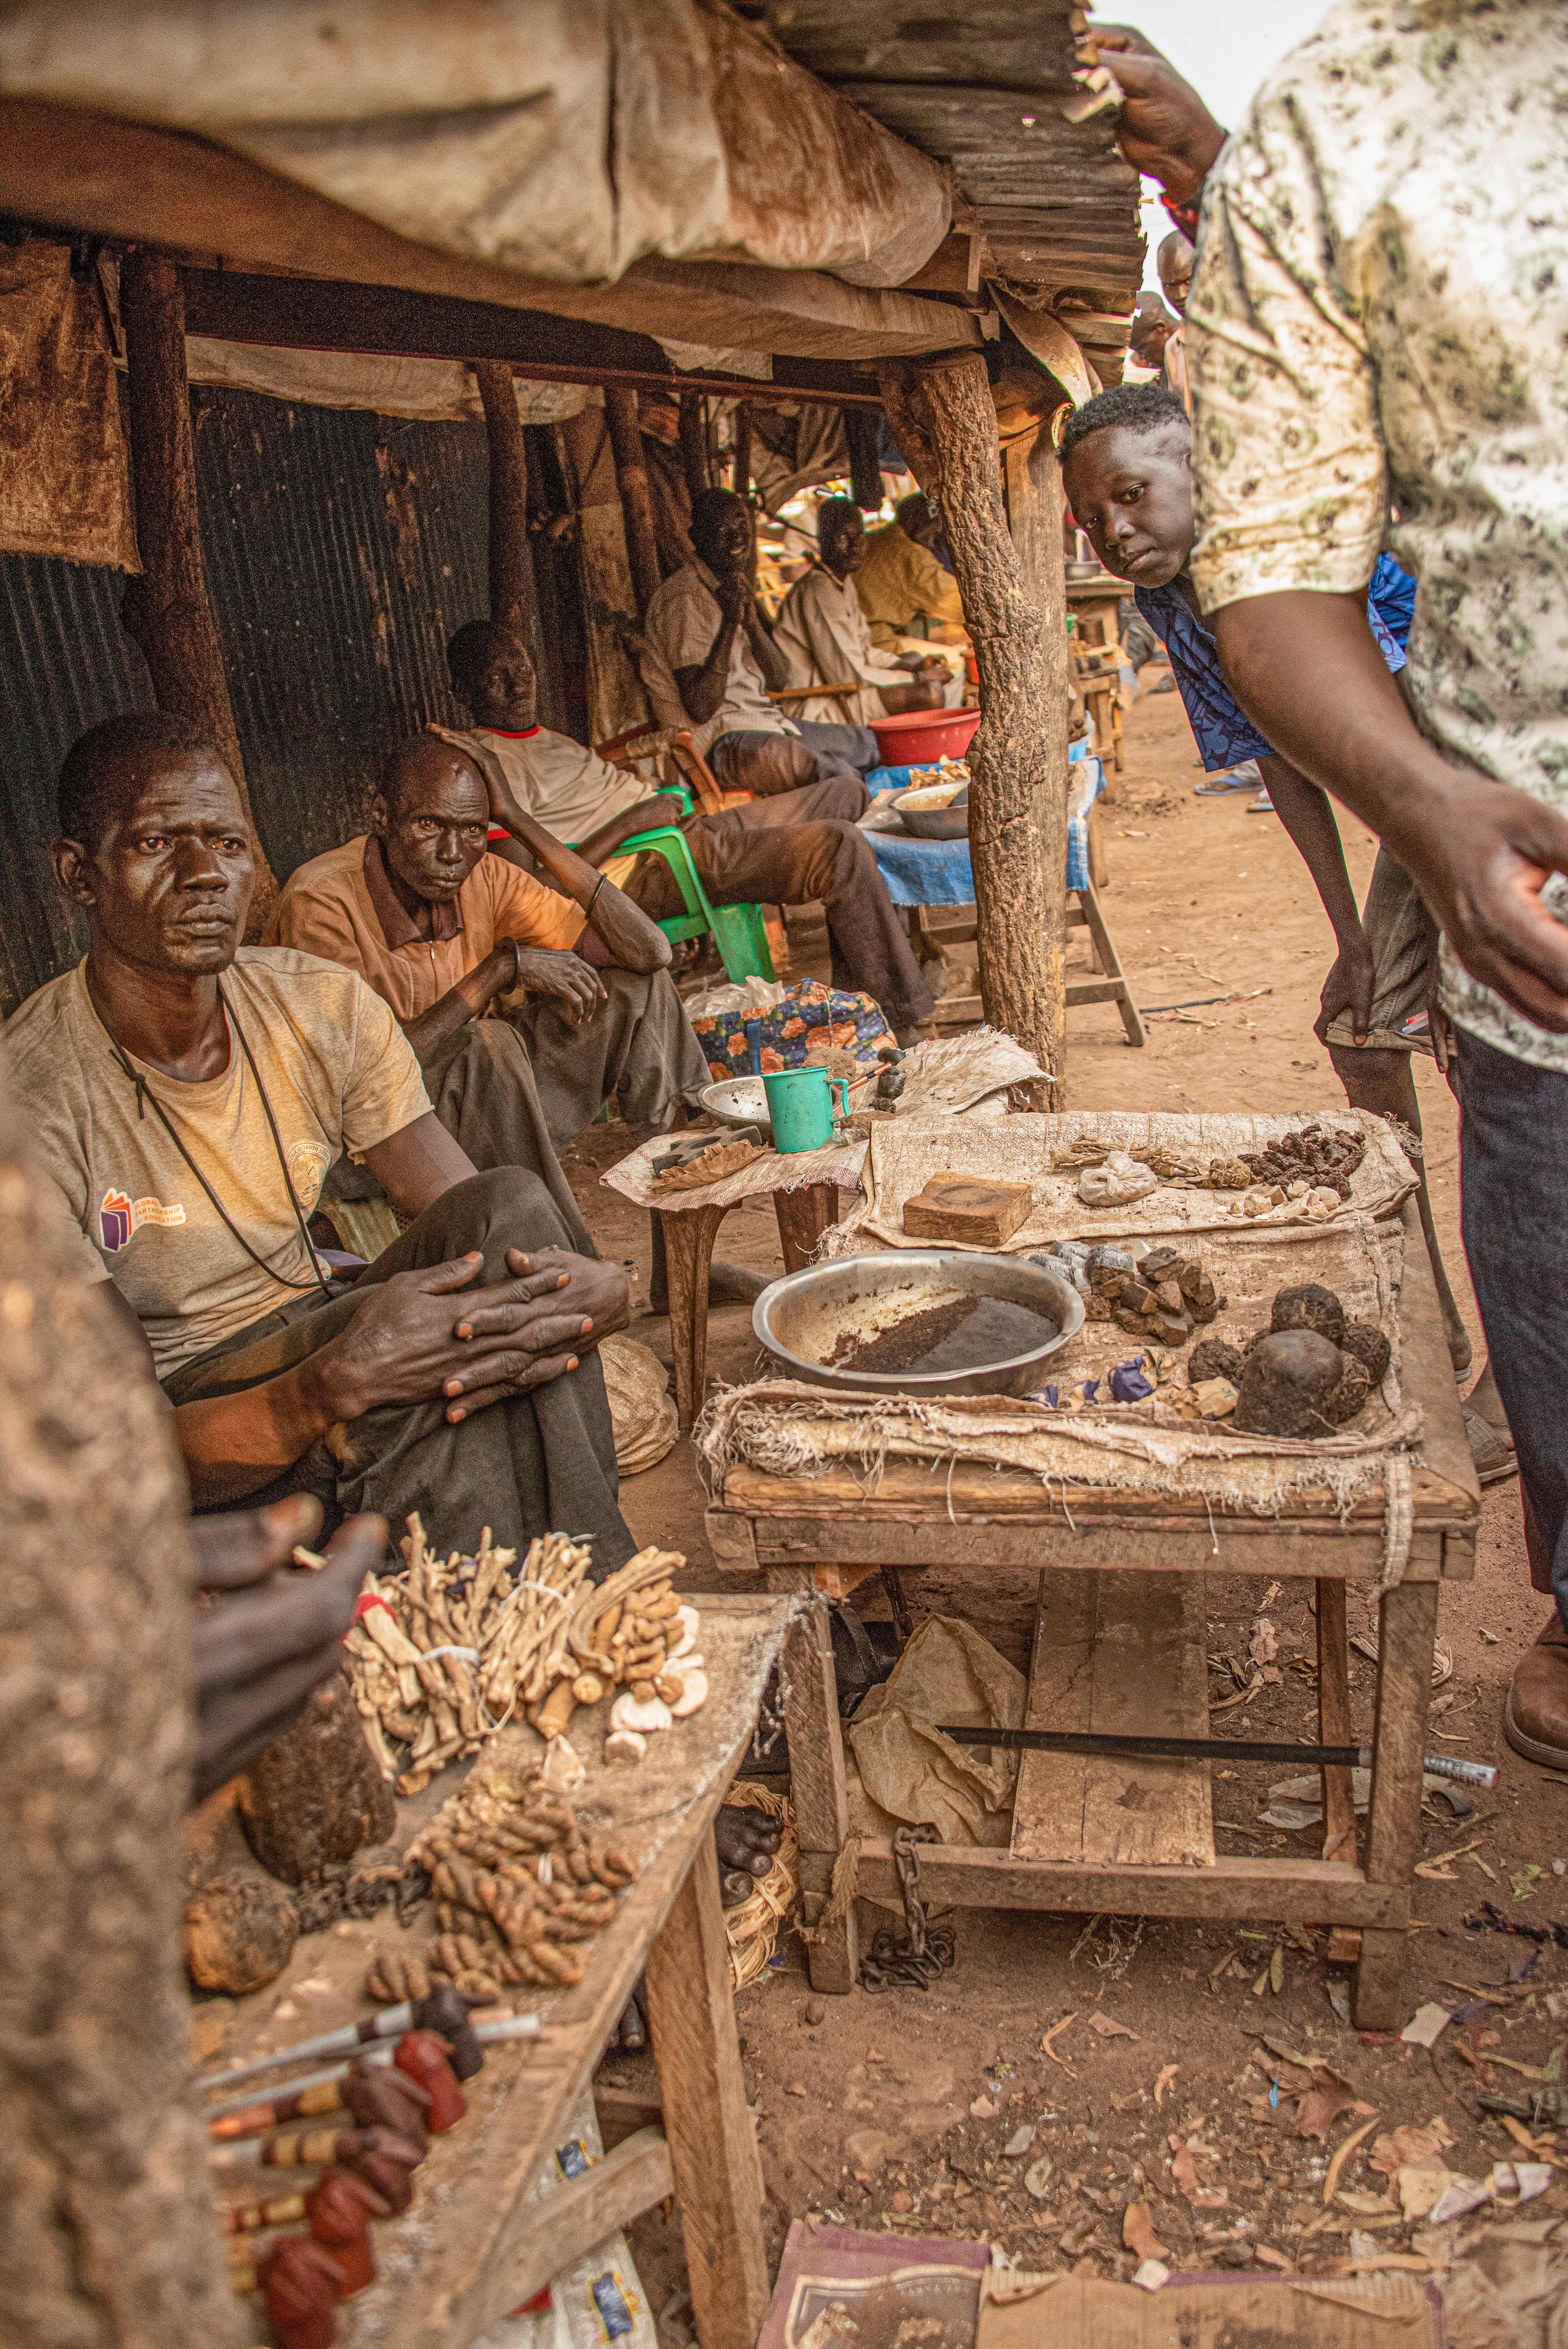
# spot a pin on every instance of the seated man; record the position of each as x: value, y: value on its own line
x: 705, y: 623
x: 1126, y: 466
x: 824, y: 633
x: 787, y: 849
x: 902, y: 588
x: 441, y: 930
x: 185, y: 1095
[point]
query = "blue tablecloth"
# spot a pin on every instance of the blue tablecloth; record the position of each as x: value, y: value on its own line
x: 938, y: 872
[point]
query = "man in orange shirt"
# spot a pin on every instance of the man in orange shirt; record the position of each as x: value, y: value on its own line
x: 441, y: 931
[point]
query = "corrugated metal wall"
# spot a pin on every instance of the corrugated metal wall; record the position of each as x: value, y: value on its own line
x: 342, y: 548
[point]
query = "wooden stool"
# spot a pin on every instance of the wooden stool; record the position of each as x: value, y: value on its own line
x: 939, y: 926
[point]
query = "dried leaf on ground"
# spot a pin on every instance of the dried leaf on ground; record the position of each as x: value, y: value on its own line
x: 1164, y: 2080
x: 1108, y: 2029
x: 1263, y: 1645
x: 1138, y: 2232
x: 1055, y: 2031
x: 1184, y: 2170
x: 982, y: 2109
x: 1422, y: 2187
x: 1323, y: 2103
x: 1411, y: 2147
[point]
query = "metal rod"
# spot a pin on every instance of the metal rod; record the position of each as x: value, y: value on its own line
x: 514, y: 2026
x: 1205, y: 1749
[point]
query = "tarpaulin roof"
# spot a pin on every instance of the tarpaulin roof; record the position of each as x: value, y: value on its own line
x: 553, y: 140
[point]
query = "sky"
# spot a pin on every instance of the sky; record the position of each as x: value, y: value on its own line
x: 1225, y: 48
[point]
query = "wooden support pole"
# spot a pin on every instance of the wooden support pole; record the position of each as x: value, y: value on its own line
x: 817, y: 1788
x: 740, y: 449
x: 694, y: 442
x: 510, y: 565
x: 712, y: 2139
x: 945, y: 421
x: 1034, y: 507
x: 1333, y: 1718
x: 637, y: 502
x: 1406, y: 1631
x: 166, y: 610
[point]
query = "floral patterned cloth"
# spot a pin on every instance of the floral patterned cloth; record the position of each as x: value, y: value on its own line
x: 755, y: 1043
x: 1378, y: 317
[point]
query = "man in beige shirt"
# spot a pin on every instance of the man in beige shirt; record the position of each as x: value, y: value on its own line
x: 825, y: 635
x: 443, y: 931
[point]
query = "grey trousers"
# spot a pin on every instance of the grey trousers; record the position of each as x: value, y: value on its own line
x: 543, y: 1461
x: 638, y: 1049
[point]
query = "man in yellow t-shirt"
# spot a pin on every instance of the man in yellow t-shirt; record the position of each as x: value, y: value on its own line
x: 900, y: 582
x: 185, y: 1095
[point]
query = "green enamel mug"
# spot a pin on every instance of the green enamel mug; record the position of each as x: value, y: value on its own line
x: 800, y: 1106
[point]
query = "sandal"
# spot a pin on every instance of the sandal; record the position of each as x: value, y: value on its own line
x: 1247, y: 777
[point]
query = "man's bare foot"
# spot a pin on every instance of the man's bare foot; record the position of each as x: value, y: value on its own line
x: 630, y: 2037
x: 746, y: 1841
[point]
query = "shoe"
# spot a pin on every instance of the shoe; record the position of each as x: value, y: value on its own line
x: 1247, y: 777
x: 1535, y: 1718
x: 1262, y: 805
x: 1494, y: 1460
x: 1165, y: 685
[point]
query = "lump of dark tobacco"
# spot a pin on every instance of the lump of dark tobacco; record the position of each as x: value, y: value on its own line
x: 1161, y: 1298
x: 1370, y: 1347
x: 1353, y: 1391
x: 1309, y: 1307
x: 1286, y: 1384
x: 1314, y: 1155
x: 1214, y: 1358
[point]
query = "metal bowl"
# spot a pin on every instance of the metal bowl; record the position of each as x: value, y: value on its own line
x: 738, y: 1101
x: 801, y: 1319
x: 949, y: 823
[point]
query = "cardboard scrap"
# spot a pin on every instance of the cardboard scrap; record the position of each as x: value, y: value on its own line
x: 1427, y: 2026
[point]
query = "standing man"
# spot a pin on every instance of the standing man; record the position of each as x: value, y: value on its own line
x: 705, y: 623
x: 824, y: 634
x: 1377, y: 322
x: 1175, y: 265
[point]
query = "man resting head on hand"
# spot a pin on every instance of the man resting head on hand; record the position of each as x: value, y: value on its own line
x: 187, y: 1094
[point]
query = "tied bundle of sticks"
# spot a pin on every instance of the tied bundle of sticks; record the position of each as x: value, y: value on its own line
x: 517, y: 1888
x: 443, y: 1653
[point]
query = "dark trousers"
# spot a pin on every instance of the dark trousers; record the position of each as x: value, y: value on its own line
x: 543, y: 1461
x: 1513, y: 1163
x: 752, y: 759
x: 638, y: 1047
x: 794, y: 849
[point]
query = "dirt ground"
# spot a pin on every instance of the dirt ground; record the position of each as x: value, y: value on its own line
x: 909, y: 2111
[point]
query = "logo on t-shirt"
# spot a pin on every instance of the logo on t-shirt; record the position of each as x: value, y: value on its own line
x: 118, y: 1217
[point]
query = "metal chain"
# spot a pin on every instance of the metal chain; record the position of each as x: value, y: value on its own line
x: 913, y: 1958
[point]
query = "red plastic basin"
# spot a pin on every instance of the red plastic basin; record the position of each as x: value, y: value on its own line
x: 921, y: 736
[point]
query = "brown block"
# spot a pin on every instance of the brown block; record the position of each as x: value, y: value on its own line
x: 971, y: 1213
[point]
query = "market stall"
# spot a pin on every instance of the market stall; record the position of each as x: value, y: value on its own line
x: 1124, y: 1500
x: 477, y: 2241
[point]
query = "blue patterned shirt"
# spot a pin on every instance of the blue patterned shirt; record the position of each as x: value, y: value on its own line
x: 1224, y: 734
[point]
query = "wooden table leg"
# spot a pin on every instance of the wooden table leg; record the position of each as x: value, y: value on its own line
x: 1333, y: 1718
x: 1406, y: 1637
x: 689, y: 1236
x: 803, y: 1216
x: 810, y: 1692
x: 712, y: 2141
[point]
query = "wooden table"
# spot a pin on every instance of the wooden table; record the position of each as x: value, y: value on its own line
x: 473, y: 2246
x: 803, y: 1216
x: 1122, y: 1646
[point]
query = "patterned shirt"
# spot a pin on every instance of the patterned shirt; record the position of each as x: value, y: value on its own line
x: 1224, y: 732
x: 1379, y: 315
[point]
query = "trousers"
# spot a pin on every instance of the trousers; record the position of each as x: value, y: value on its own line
x: 637, y: 1049
x: 751, y: 758
x: 1514, y: 1185
x: 795, y: 848
x: 543, y: 1462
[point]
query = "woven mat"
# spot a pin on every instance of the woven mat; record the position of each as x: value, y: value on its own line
x: 906, y: 1153
x: 787, y: 1428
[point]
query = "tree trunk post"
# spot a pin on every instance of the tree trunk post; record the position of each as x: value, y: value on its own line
x: 166, y: 610
x: 1035, y: 508
x: 510, y: 565
x: 740, y: 449
x: 637, y: 502
x: 945, y: 422
x: 109, y: 2236
x: 694, y: 442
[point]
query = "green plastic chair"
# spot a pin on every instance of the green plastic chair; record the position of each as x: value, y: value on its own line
x: 738, y: 931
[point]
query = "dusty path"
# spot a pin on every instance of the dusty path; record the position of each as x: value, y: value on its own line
x: 876, y: 2109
